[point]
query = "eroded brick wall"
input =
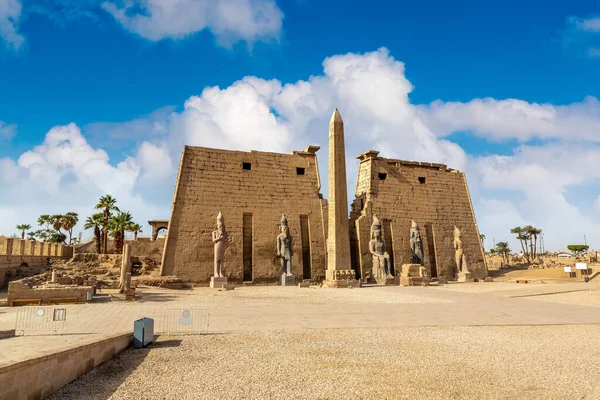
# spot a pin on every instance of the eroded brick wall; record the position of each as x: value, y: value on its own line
x: 436, y: 197
x: 212, y: 180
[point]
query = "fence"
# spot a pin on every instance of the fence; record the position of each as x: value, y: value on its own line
x: 49, y: 319
x: 185, y: 321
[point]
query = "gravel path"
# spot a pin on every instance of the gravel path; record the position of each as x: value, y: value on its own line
x: 542, y: 362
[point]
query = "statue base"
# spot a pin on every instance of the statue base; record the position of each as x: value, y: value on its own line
x: 217, y: 282
x: 288, y: 280
x: 414, y: 281
x: 341, y: 278
x: 465, y: 277
x: 384, y: 281
x: 412, y: 270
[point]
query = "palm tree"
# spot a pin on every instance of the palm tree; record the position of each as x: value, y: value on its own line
x: 23, y: 228
x: 482, y: 238
x: 522, y: 236
x: 503, y: 249
x: 118, y: 225
x: 107, y: 204
x: 95, y: 222
x: 533, y: 233
x: 31, y: 235
x: 43, y: 234
x: 69, y: 221
x: 45, y: 220
x: 135, y: 228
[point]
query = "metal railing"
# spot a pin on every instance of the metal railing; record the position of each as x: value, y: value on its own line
x: 40, y: 319
x: 185, y: 321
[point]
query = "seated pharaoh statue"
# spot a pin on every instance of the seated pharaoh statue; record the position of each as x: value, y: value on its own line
x: 381, y: 259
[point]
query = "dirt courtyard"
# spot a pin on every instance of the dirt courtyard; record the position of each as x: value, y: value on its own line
x: 491, y: 341
x: 525, y: 362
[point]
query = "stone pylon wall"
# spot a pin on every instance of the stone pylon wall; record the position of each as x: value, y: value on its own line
x: 436, y: 197
x: 212, y: 180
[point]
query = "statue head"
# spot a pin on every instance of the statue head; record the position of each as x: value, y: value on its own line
x: 220, y: 221
x: 284, y: 225
x: 457, y: 232
x: 413, y: 225
x: 375, y: 228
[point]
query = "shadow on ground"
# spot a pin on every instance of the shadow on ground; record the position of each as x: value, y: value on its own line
x: 101, y: 382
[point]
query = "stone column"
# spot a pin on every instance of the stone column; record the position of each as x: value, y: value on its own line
x: 339, y: 272
x: 125, y: 267
x: 54, y: 276
x: 128, y: 282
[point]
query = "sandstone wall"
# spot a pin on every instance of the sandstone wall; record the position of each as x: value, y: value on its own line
x: 212, y: 180
x: 436, y: 197
x: 145, y: 248
x: 15, y: 252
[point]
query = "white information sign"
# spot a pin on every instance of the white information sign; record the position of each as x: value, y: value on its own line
x: 581, y: 265
x: 569, y: 269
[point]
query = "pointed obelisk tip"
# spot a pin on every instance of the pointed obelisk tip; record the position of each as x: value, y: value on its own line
x: 336, y: 117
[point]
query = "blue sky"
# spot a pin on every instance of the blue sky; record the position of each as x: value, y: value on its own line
x: 102, y: 65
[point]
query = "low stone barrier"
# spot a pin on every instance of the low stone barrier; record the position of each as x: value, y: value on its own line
x: 39, y: 377
x: 22, y: 290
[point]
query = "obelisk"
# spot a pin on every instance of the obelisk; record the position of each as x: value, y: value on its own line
x: 339, y: 272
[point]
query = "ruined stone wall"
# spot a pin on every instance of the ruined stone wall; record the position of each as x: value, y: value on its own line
x: 436, y: 197
x: 146, y: 248
x: 15, y: 252
x: 212, y: 180
x: 21, y: 290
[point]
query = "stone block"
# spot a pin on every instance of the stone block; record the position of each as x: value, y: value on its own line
x: 217, y: 283
x: 288, y: 280
x: 304, y: 284
x: 345, y: 283
x: 385, y: 281
x: 465, y: 277
x: 228, y: 286
x: 411, y: 280
x: 411, y: 270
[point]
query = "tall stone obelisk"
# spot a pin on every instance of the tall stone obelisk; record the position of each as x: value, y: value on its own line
x: 339, y: 272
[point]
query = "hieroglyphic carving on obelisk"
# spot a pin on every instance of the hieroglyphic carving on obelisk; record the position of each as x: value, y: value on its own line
x: 339, y: 271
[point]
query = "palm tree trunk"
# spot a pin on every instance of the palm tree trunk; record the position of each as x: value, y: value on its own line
x: 135, y: 236
x: 22, y: 235
x: 535, y: 246
x: 523, y: 248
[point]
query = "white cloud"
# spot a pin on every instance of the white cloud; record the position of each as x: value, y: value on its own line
x: 7, y: 131
x: 10, y: 14
x: 529, y: 187
x: 229, y: 20
x: 65, y: 174
x: 591, y: 24
x: 542, y: 175
x: 512, y: 118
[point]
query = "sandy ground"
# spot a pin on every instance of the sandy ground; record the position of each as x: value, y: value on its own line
x: 588, y: 298
x: 400, y: 363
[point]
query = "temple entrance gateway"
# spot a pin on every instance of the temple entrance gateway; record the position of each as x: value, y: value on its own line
x: 305, y: 235
x: 431, y: 256
x: 247, y: 246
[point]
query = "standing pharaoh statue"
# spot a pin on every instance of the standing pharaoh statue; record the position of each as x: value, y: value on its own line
x: 381, y: 259
x: 415, y: 243
x: 459, y: 256
x: 284, y: 247
x: 219, y: 238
